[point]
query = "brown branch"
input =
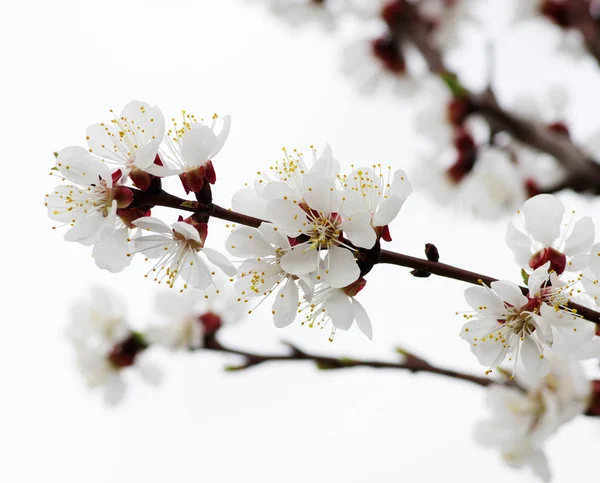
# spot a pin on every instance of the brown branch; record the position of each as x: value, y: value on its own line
x: 449, y: 271
x: 411, y: 363
x: 584, y: 171
x: 147, y: 200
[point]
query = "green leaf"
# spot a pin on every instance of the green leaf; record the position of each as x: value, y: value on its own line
x: 525, y: 276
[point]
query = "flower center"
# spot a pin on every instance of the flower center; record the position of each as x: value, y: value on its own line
x: 324, y: 231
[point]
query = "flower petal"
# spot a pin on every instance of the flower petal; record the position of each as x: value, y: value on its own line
x: 197, y: 144
x: 111, y: 253
x: 300, y: 260
x: 320, y: 194
x: 195, y: 271
x: 220, y: 260
x: 285, y: 306
x: 80, y: 167
x: 484, y: 301
x: 340, y: 267
x: 362, y: 319
x: 359, y: 231
x: 153, y: 224
x: 248, y: 242
x: 401, y: 187
x: 388, y: 211
x: 340, y: 310
x: 543, y: 216
x: 533, y: 359
x: 519, y: 243
x: 509, y: 292
x: 581, y: 238
x: 187, y: 231
x: 287, y: 216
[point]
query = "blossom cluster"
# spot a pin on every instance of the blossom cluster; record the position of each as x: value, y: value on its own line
x: 318, y: 220
x: 316, y: 224
x: 306, y: 236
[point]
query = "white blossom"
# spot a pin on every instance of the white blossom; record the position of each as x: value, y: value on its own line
x: 189, y: 148
x: 544, y: 236
x: 105, y: 346
x: 284, y: 178
x: 507, y: 323
x: 131, y: 140
x: 178, y: 248
x: 336, y: 307
x: 523, y: 419
x: 260, y: 274
x: 381, y: 197
x: 90, y: 203
x: 182, y: 320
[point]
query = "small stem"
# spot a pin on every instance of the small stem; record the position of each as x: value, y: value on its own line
x: 412, y: 364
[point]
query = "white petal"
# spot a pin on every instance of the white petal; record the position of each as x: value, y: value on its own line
x: 162, y: 171
x: 249, y: 202
x: 248, y: 242
x: 594, y: 260
x: 320, y: 193
x: 111, y: 253
x: 387, y: 211
x: 197, y: 144
x: 114, y: 389
x: 77, y: 165
x: 578, y: 262
x: 288, y: 216
x: 401, y: 187
x: 151, y: 223
x: 509, y: 292
x: 220, y: 260
x: 222, y: 136
x: 88, y: 227
x: 340, y: 309
x: 278, y: 190
x: 483, y: 301
x: 581, y: 238
x: 146, y: 154
x: 489, y: 353
x: 103, y: 140
x: 146, y: 121
x: 186, y: 230
x: 357, y: 228
x: 272, y: 234
x: 531, y: 354
x: 340, y: 267
x: 153, y: 246
x: 537, y: 278
x: 285, y: 306
x: 519, y: 243
x: 543, y: 216
x: 326, y: 166
x: 362, y: 319
x: 307, y: 284
x: 195, y: 271
x: 300, y: 260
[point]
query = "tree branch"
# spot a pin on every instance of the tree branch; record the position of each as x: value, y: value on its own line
x: 411, y: 363
x: 584, y: 171
x: 147, y: 200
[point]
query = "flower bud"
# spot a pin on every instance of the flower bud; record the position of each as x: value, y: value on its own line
x: 210, y: 322
x: 390, y: 55
x: 124, y: 353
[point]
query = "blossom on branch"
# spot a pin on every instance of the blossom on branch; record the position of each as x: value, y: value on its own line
x: 105, y: 345
x: 508, y: 324
x: 177, y: 249
x: 260, y: 274
x: 185, y: 319
x: 545, y: 237
x: 130, y: 141
x: 525, y: 416
x: 189, y: 148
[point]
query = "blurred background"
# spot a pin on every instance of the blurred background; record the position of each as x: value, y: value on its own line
x: 65, y: 65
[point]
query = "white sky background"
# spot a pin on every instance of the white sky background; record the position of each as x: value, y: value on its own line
x: 65, y: 64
